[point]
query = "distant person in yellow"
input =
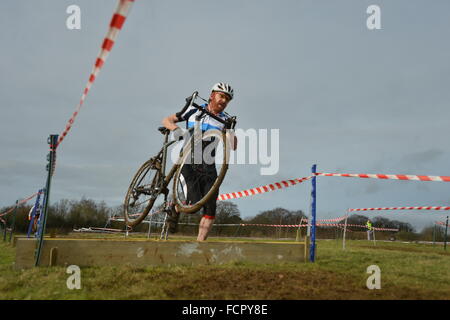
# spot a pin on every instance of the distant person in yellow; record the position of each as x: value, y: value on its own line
x: 369, y: 228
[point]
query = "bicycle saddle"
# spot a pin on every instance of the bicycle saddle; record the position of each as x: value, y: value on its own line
x: 163, y: 130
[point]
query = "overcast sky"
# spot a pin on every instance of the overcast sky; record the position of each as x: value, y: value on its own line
x: 349, y: 99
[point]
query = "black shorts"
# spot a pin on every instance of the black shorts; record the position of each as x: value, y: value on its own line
x: 197, y: 180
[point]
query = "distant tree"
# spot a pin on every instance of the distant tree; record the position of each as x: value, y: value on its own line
x: 357, y: 219
x: 275, y: 216
x: 381, y: 222
x: 438, y: 231
x: 58, y: 214
x: 278, y: 216
x: 88, y: 213
x: 403, y: 226
x: 21, y: 221
x: 227, y: 213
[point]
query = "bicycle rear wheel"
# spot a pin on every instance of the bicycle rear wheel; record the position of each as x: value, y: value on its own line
x: 144, y: 190
x: 179, y: 186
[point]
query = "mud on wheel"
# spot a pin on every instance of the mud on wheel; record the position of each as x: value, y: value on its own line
x: 179, y: 189
x: 143, y: 192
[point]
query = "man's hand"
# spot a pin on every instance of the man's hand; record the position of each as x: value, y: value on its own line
x: 170, y: 122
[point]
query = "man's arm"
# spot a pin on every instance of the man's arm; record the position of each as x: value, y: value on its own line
x: 170, y: 122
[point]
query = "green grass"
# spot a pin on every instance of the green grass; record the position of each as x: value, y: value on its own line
x: 408, y: 271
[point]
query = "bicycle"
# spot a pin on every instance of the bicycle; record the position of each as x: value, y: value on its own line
x: 150, y: 183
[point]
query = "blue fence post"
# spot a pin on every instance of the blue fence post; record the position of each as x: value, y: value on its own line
x: 39, y: 222
x: 30, y: 225
x: 51, y: 157
x: 312, y: 248
x: 33, y: 213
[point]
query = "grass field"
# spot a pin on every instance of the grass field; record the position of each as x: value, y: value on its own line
x: 408, y: 271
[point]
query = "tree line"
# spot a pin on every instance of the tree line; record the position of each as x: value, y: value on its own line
x: 66, y: 215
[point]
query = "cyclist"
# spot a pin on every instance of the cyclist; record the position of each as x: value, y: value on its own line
x: 36, y: 217
x: 369, y: 228
x: 200, y: 178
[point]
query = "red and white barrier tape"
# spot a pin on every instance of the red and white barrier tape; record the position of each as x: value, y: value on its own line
x: 340, y: 224
x: 273, y: 225
x: 6, y: 212
x: 385, y: 229
x: 399, y: 208
x: 318, y: 224
x: 287, y: 225
x: 360, y: 226
x: 288, y: 183
x: 29, y: 198
x: 387, y: 176
x: 442, y: 223
x: 329, y: 220
x: 262, y: 189
x: 377, y: 229
x: 19, y: 203
x: 115, y: 26
x: 348, y: 230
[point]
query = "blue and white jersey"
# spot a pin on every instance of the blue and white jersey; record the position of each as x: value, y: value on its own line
x: 206, y: 122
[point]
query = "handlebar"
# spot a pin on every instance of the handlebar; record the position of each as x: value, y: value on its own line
x: 230, y: 123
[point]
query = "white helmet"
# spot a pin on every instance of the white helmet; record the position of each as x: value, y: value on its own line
x: 223, y: 87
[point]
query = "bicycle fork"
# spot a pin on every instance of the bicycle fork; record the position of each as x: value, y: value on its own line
x: 165, y: 226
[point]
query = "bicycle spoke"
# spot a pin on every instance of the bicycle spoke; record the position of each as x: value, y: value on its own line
x: 198, y: 173
x: 140, y: 203
x: 142, y: 193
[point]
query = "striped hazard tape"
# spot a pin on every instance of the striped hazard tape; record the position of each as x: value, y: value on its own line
x: 347, y: 229
x: 318, y: 224
x: 330, y: 220
x: 115, y: 26
x: 273, y: 225
x: 19, y: 203
x: 399, y: 208
x: 387, y: 176
x: 289, y: 183
x: 362, y: 226
x: 385, y: 229
x: 377, y: 229
x: 262, y: 189
x: 7, y: 212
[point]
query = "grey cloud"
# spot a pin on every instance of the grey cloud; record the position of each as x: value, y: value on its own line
x: 344, y: 97
x: 372, y: 188
x: 422, y: 158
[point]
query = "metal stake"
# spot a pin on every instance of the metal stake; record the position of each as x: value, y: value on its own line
x: 51, y: 157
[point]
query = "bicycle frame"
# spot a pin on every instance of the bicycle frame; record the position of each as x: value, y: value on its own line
x: 165, y: 180
x: 163, y: 154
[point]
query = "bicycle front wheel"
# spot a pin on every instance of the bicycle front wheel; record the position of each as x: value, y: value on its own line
x: 144, y: 189
x: 179, y: 184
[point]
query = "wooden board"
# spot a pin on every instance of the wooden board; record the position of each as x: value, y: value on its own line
x: 107, y: 252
